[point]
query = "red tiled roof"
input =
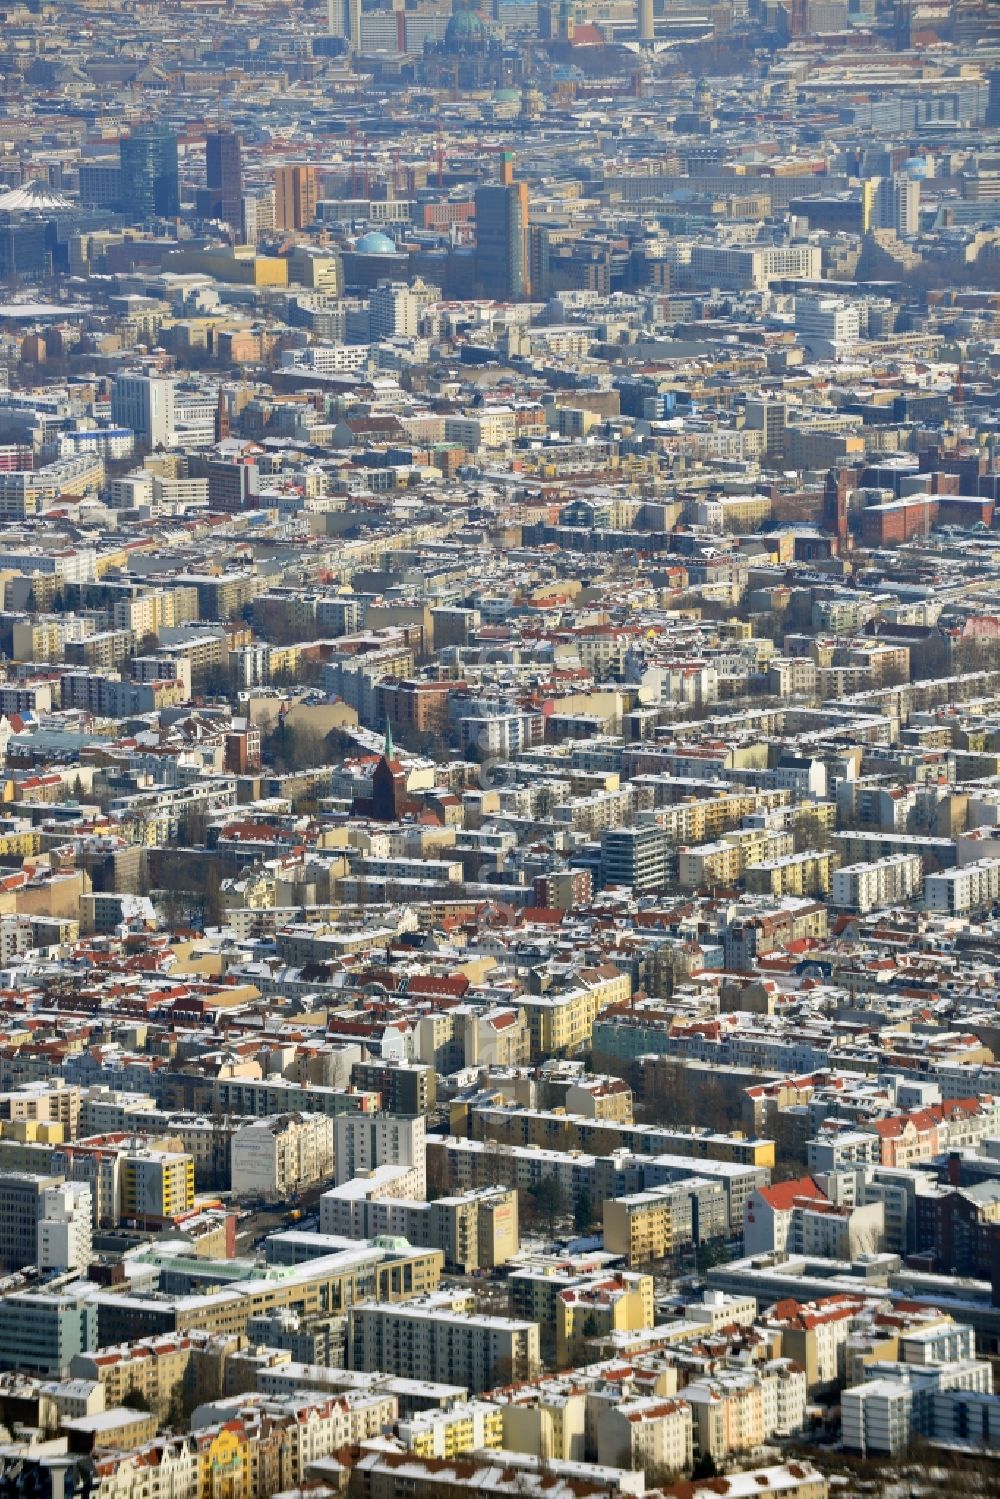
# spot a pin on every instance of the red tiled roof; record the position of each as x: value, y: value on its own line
x: 784, y: 1195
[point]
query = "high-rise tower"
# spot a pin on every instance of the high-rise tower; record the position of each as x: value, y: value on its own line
x: 502, y: 261
x: 149, y: 181
x: 224, y: 175
x: 295, y: 197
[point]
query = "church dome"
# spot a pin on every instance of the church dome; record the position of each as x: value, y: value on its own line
x: 466, y: 29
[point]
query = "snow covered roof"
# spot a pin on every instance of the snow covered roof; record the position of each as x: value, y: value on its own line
x: 35, y: 196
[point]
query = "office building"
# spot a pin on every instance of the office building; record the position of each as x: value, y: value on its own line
x: 295, y: 196
x: 42, y: 1332
x: 502, y: 264
x: 223, y: 198
x: 21, y: 1195
x: 24, y: 250
x: 149, y: 179
x: 101, y: 182
x: 827, y: 325
x: 145, y: 403
x: 738, y: 268
x: 224, y: 1305
x: 257, y: 211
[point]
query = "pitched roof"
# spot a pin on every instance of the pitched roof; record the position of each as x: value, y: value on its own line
x: 783, y: 1196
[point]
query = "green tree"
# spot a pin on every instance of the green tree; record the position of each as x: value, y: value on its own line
x: 548, y: 1201
x: 711, y: 1252
x: 810, y: 831
x: 583, y: 1212
x: 289, y: 748
x: 175, y: 1410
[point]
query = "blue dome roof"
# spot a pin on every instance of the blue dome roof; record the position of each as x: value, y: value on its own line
x: 375, y: 243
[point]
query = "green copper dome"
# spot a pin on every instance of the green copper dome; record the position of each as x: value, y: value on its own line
x: 467, y: 28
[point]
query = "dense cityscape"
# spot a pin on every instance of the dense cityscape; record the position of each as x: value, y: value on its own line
x: 500, y: 749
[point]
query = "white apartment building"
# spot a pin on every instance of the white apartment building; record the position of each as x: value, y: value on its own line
x: 66, y: 1227
x: 718, y: 1309
x: 836, y: 1232
x: 971, y: 888
x: 648, y: 1433
x: 866, y: 887
x: 493, y: 427
x: 394, y: 309
x: 899, y: 1400
x: 837, y: 1149
x: 897, y: 205
x: 441, y: 1338
x: 690, y: 682
x: 276, y: 1157
x: 785, y: 1390
x: 498, y: 734
x: 876, y: 1417
x: 363, y: 1141
x: 24, y: 492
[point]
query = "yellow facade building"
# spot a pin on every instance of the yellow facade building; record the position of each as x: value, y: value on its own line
x: 621, y: 1303
x: 157, y: 1185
